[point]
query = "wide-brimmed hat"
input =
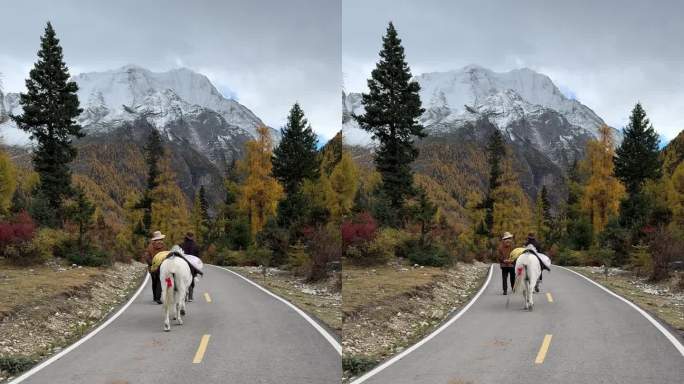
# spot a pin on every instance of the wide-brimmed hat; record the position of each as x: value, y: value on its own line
x: 506, y: 235
x: 157, y: 235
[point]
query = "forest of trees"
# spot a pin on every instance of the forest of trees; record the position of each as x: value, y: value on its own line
x: 283, y: 203
x: 302, y: 206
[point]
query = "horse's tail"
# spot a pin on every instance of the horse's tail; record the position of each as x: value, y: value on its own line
x: 170, y: 283
x: 520, y: 276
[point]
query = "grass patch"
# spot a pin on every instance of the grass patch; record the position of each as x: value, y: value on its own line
x: 21, y: 286
x: 355, y: 365
x: 362, y: 287
x: 15, y: 364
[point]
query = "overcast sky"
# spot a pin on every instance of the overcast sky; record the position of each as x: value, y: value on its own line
x: 609, y: 54
x: 266, y: 53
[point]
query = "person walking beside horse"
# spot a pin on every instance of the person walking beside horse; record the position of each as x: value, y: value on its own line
x: 190, y: 247
x: 156, y: 245
x: 507, y: 265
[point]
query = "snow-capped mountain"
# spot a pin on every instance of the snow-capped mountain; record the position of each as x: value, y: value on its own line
x: 180, y: 103
x: 525, y: 105
x: 115, y: 95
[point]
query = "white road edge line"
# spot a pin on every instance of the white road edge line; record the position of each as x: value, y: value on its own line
x: 311, y: 321
x: 82, y: 340
x: 427, y: 338
x: 648, y: 317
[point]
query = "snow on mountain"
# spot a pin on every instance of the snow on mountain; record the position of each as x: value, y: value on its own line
x: 10, y: 134
x: 525, y: 105
x: 509, y: 91
x: 119, y: 94
x: 182, y: 104
x: 351, y: 132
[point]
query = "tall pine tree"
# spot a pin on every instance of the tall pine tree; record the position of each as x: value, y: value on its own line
x: 50, y: 107
x: 496, y: 151
x: 392, y: 110
x: 638, y: 157
x: 637, y: 160
x: 296, y: 157
x: 154, y: 152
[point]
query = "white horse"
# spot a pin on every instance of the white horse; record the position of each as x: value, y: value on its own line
x: 175, y: 276
x: 527, y: 272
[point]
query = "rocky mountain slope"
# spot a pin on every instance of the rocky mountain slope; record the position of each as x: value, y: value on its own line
x: 203, y: 129
x: 546, y: 129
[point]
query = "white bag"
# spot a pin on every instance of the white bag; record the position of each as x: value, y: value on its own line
x: 195, y: 261
x: 544, y: 259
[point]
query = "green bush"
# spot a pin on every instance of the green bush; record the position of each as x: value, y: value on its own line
x: 298, y: 261
x: 430, y: 254
x: 356, y: 365
x: 569, y: 257
x: 259, y: 256
x: 87, y: 256
x: 15, y: 364
x: 24, y: 253
x: 47, y: 240
x: 640, y: 260
x: 379, y: 250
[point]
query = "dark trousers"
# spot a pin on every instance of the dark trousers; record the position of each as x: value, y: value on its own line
x: 156, y: 285
x: 191, y: 289
x: 507, y: 271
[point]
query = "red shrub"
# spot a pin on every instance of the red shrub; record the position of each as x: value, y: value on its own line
x: 19, y: 229
x: 360, y: 229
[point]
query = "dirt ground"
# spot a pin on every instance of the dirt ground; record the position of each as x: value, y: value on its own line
x: 45, y: 308
x: 390, y: 307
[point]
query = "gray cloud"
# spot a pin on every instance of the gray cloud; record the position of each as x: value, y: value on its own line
x: 609, y: 54
x: 270, y: 53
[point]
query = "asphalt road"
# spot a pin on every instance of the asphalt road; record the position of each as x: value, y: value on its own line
x: 594, y: 338
x: 253, y: 338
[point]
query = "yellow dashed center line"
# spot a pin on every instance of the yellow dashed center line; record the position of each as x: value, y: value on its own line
x: 207, y: 297
x: 201, y: 349
x: 544, y: 348
x: 549, y: 297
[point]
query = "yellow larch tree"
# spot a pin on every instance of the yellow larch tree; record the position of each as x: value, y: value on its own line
x: 259, y: 193
x: 603, y: 191
x: 170, y: 213
x: 512, y: 212
x: 8, y: 182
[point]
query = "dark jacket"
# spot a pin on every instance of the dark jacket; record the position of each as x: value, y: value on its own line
x: 190, y: 247
x: 536, y: 244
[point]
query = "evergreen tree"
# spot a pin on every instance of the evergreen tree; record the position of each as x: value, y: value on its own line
x: 154, y: 152
x: 638, y: 157
x: 637, y: 160
x: 50, y: 107
x: 496, y: 151
x: 81, y: 212
x: 200, y: 216
x: 392, y: 110
x: 296, y: 157
x: 424, y: 213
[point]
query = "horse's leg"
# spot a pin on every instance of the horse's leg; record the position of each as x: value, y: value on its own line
x: 165, y: 310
